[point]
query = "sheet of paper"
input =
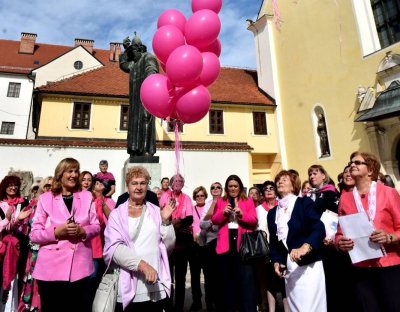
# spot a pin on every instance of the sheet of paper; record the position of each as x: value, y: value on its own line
x: 330, y: 220
x: 357, y: 227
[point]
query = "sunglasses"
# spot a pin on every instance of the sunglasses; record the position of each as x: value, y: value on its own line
x: 46, y: 185
x: 269, y: 188
x: 200, y: 195
x: 357, y: 162
x: 13, y: 186
x: 215, y: 187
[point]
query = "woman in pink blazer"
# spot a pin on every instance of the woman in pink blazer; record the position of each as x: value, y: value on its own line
x: 376, y: 280
x: 63, y: 225
x: 235, y: 214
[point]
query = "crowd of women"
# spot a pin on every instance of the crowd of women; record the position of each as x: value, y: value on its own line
x: 56, y: 246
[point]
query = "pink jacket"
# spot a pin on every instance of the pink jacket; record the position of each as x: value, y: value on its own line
x: 387, y: 217
x: 247, y: 223
x: 63, y: 260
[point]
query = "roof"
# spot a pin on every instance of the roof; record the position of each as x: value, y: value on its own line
x: 387, y: 104
x: 234, y: 85
x: 20, y: 63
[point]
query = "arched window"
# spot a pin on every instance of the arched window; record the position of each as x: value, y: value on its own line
x: 321, y: 132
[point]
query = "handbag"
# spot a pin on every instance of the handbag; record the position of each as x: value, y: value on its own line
x: 105, y: 299
x: 254, y: 245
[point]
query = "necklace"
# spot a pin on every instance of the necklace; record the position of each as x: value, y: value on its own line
x: 131, y: 205
x: 67, y: 196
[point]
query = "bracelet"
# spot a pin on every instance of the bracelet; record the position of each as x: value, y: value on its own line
x: 166, y: 224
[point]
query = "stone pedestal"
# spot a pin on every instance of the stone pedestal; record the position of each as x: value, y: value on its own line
x: 154, y: 169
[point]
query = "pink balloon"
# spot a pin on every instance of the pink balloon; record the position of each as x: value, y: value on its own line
x: 214, y: 47
x: 193, y: 105
x: 184, y: 65
x: 202, y: 28
x: 166, y: 39
x: 211, y: 69
x: 172, y: 17
x: 213, y: 5
x: 155, y: 97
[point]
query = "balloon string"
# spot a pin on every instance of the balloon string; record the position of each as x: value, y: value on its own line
x: 177, y: 146
x: 277, y: 14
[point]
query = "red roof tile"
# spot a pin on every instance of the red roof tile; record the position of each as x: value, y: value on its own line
x: 13, y: 62
x: 234, y: 85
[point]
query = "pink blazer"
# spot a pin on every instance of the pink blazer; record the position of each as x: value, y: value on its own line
x: 247, y: 223
x: 63, y: 260
x: 387, y: 217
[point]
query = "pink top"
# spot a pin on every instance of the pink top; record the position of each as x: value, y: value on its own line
x: 98, y: 241
x: 184, y: 207
x: 387, y: 218
x: 197, y: 213
x: 63, y: 260
x: 247, y: 223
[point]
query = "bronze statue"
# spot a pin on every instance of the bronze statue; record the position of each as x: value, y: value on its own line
x: 140, y: 64
x: 323, y: 136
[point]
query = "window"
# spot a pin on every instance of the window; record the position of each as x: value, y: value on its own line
x: 171, y: 125
x: 78, y: 65
x: 216, y: 119
x: 387, y: 20
x: 13, y: 89
x: 260, y: 123
x: 123, y: 123
x: 81, y: 116
x: 7, y: 127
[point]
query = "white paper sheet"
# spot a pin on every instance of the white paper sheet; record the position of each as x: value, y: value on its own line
x: 330, y: 220
x: 357, y: 227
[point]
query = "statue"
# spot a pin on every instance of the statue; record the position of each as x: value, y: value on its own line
x: 140, y: 64
x: 323, y: 136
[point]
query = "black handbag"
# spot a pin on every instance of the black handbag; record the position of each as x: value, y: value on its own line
x: 254, y: 245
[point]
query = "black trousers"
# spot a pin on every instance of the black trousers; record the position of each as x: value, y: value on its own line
x: 62, y: 296
x: 238, y: 280
x: 378, y: 289
x: 196, y: 264
x: 179, y: 260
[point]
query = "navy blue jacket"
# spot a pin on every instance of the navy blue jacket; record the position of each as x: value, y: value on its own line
x: 305, y: 226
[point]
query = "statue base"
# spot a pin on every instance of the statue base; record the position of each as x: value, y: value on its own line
x: 149, y: 159
x: 154, y: 169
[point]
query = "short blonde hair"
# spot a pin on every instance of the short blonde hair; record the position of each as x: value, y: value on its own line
x: 64, y: 165
x: 200, y: 189
x: 137, y: 172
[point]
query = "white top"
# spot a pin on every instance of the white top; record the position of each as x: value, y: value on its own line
x: 146, y: 246
x: 262, y: 219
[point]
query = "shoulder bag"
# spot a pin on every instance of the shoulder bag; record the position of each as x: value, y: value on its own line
x: 105, y: 299
x: 254, y: 245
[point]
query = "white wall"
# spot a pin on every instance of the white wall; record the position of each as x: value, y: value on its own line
x: 16, y: 109
x: 63, y: 67
x: 198, y: 168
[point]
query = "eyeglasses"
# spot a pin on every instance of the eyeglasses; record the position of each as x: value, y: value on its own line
x: 144, y: 183
x: 215, y: 187
x: 357, y: 162
x: 200, y: 195
x: 269, y: 188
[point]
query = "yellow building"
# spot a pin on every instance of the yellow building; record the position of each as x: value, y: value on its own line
x: 340, y: 59
x: 93, y: 106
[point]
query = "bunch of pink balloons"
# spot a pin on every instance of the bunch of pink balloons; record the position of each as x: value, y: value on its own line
x: 188, y: 51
